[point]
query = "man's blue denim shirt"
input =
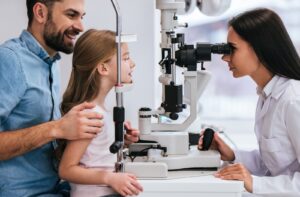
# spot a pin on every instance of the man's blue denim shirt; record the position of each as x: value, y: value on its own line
x: 25, y: 101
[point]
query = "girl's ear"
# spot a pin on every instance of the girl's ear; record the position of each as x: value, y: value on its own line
x: 102, y: 69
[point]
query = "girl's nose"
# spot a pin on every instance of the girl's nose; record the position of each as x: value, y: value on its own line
x: 132, y: 65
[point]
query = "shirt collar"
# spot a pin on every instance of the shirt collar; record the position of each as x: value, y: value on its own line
x: 33, y: 45
x: 267, y: 90
x: 275, y: 87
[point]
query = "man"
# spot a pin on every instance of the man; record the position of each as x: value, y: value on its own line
x: 29, y: 100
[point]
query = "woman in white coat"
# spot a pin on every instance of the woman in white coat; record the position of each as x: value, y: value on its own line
x: 263, y: 50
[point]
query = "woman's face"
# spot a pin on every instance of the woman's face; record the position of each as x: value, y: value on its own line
x: 243, y: 60
x: 127, y: 66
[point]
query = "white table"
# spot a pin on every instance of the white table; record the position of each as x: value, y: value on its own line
x: 196, y: 185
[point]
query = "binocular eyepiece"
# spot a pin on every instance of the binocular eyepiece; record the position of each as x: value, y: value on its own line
x: 203, y: 51
x: 222, y: 48
x: 188, y: 56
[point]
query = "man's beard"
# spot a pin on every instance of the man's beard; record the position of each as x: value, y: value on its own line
x: 55, y: 40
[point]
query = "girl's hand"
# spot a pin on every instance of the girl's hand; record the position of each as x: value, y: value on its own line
x: 237, y: 172
x: 125, y: 184
x: 132, y: 135
x: 218, y: 144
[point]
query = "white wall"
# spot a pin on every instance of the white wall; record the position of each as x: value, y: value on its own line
x: 138, y: 18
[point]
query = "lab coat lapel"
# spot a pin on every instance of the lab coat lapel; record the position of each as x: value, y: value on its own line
x: 258, y: 108
x: 264, y: 109
x: 277, y: 91
x: 261, y: 110
x: 263, y: 106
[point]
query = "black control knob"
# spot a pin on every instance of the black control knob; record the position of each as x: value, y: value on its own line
x: 208, y: 137
x: 173, y: 116
x: 115, y: 147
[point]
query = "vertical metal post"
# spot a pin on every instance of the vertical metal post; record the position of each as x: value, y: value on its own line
x: 119, y: 111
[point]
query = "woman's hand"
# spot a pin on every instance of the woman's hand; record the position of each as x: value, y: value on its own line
x: 124, y: 183
x: 237, y: 172
x: 218, y: 144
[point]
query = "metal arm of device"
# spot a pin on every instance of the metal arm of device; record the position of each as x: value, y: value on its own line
x: 119, y: 110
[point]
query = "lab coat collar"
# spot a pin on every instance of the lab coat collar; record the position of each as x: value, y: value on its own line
x: 274, y: 88
x: 280, y: 87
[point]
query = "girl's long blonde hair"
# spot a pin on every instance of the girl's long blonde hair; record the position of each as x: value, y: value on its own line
x: 92, y: 48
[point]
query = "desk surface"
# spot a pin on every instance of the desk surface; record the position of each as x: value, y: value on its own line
x: 195, y: 184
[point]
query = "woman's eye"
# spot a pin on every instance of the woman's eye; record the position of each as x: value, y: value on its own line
x: 233, y: 48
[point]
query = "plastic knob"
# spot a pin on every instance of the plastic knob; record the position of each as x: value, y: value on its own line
x: 208, y: 137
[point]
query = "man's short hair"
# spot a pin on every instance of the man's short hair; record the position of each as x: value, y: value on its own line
x: 31, y: 3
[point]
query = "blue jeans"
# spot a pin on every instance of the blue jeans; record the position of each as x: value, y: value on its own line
x: 64, y: 189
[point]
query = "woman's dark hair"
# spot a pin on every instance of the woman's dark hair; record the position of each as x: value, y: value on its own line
x: 265, y: 32
x: 31, y: 3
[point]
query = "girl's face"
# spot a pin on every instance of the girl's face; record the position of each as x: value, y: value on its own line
x: 243, y: 60
x: 127, y: 66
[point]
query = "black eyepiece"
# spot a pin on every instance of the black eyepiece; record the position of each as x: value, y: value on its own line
x: 188, y: 56
x: 222, y: 48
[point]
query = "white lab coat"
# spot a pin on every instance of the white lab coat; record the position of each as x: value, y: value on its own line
x: 276, y: 165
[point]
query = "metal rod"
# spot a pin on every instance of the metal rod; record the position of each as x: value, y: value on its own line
x: 173, y: 68
x: 119, y: 110
x: 118, y: 39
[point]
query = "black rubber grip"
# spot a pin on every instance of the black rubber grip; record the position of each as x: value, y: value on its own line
x: 115, y: 147
x: 208, y: 137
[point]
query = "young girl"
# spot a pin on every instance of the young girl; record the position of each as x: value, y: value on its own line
x: 88, y: 164
x: 263, y: 50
